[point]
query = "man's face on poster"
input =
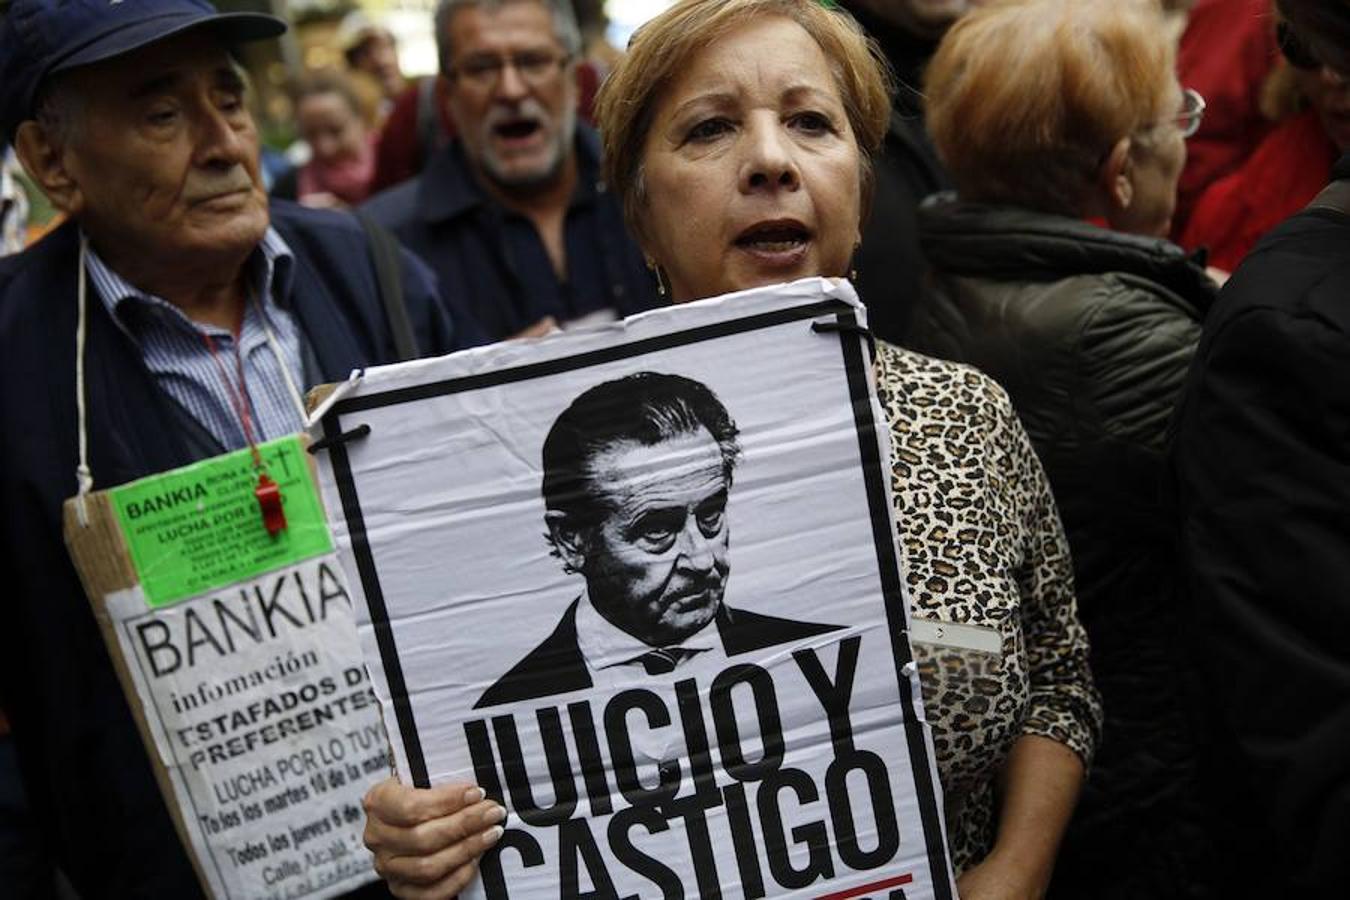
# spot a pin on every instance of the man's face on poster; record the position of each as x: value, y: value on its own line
x: 656, y: 565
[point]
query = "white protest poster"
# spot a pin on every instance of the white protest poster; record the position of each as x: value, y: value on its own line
x: 641, y: 584
x: 238, y: 652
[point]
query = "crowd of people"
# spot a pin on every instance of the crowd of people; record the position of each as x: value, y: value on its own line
x: 1103, y: 246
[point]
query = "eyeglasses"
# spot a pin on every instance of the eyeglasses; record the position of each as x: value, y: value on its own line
x: 535, y: 68
x: 1192, y: 112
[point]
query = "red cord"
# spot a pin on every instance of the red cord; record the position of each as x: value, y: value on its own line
x: 238, y: 395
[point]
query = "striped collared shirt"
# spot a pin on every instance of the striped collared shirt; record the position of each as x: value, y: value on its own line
x: 176, y: 349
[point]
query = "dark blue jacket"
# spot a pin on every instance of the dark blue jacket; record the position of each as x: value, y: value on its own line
x: 85, y: 768
x: 491, y: 260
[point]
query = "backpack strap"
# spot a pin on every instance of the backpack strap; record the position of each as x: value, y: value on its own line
x: 384, y: 251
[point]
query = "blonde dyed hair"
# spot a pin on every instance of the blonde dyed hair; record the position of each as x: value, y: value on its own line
x: 1025, y: 98
x: 662, y: 49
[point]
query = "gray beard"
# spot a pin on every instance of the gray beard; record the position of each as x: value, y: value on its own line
x: 527, y: 184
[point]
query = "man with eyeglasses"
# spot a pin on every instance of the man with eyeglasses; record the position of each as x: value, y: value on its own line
x: 513, y: 215
x: 1262, y: 463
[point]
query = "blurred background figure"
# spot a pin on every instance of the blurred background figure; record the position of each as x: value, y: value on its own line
x: 330, y: 119
x: 1050, y: 114
x: 418, y: 124
x: 512, y: 214
x: 1307, y: 105
x: 13, y: 209
x: 25, y: 213
x: 371, y: 52
x: 1227, y: 51
x: 889, y: 263
x: 593, y: 20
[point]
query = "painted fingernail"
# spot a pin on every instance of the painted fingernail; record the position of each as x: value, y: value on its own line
x: 492, y: 835
x: 496, y: 814
x: 473, y: 795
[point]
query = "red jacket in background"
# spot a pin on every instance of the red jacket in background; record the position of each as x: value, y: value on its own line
x: 1226, y: 53
x: 1280, y: 177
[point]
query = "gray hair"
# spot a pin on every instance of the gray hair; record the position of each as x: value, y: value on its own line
x: 564, y: 23
x: 59, y: 109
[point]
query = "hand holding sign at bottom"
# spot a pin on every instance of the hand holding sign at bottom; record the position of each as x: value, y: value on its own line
x: 427, y: 841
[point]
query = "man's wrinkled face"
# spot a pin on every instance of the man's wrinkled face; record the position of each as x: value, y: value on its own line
x: 512, y: 93
x: 165, y: 153
x: 657, y: 565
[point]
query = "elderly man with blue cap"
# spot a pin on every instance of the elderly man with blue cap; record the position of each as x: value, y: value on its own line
x: 206, y: 311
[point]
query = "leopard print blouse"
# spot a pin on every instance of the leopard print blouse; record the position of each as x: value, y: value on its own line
x: 982, y: 545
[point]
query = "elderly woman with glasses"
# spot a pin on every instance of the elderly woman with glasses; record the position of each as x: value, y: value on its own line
x: 739, y: 136
x: 1064, y: 128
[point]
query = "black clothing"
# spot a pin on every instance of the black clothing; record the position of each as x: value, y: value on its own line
x: 556, y: 666
x: 1091, y: 331
x: 907, y: 169
x: 1262, y: 462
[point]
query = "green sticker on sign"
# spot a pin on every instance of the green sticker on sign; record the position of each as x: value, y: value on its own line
x: 198, y: 528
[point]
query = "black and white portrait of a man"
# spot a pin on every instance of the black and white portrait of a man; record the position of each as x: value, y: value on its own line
x: 637, y: 476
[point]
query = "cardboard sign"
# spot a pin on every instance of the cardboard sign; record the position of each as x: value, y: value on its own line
x: 239, y: 656
x: 641, y: 585
x: 197, y: 528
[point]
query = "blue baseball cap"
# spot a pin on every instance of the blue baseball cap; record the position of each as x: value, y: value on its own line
x: 39, y: 38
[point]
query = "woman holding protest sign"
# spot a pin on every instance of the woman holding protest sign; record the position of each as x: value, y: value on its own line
x: 740, y: 134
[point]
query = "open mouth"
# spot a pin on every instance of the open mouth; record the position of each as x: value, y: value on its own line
x: 516, y: 129
x: 782, y: 236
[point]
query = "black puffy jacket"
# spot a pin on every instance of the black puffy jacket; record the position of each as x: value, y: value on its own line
x: 1091, y: 333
